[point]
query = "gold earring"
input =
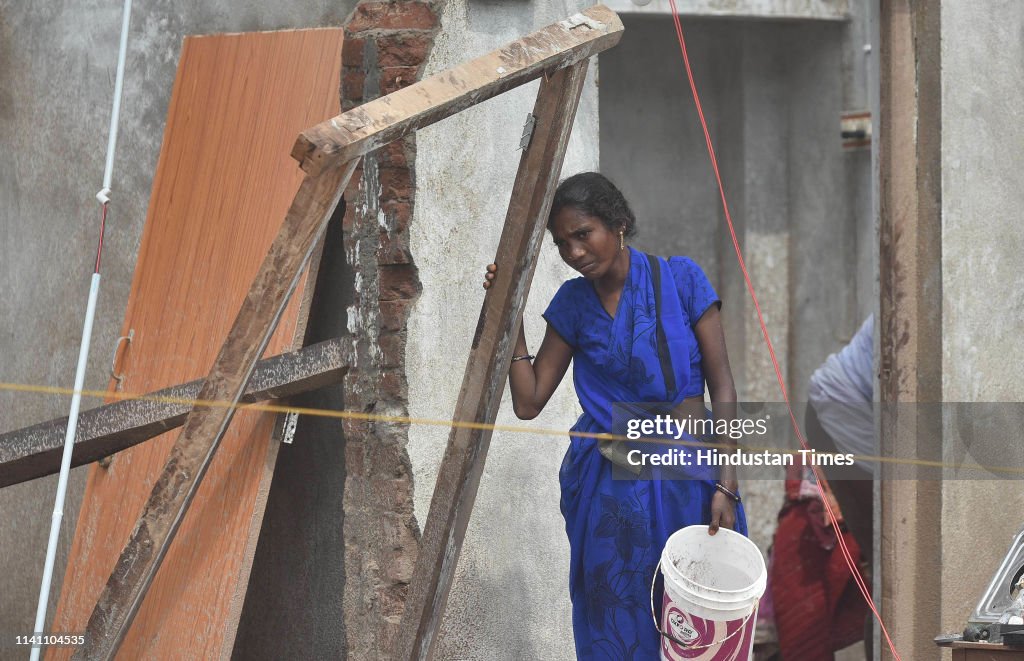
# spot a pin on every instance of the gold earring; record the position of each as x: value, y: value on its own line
x: 622, y: 239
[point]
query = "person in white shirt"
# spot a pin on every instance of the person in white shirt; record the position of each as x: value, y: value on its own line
x: 841, y: 418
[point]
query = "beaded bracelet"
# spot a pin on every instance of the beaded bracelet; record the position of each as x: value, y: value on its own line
x: 732, y: 494
x: 523, y: 357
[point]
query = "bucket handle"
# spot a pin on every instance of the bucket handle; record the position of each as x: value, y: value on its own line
x: 664, y: 634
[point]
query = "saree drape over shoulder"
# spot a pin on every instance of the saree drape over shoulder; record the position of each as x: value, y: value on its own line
x: 618, y: 527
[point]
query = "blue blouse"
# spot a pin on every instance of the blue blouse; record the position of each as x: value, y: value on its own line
x: 615, y: 359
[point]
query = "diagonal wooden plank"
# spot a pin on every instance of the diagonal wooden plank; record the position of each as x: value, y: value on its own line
x: 32, y: 452
x: 190, y: 456
x: 488, y: 364
x: 378, y: 122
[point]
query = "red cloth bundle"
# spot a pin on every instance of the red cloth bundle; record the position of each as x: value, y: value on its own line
x: 818, y: 608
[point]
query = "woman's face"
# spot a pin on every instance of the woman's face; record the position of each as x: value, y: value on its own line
x: 584, y: 242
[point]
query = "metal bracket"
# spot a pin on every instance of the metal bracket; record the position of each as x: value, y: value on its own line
x: 290, y: 421
x: 113, y: 358
x: 531, y: 123
x: 577, y: 20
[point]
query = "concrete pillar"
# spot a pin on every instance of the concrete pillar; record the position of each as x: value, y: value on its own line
x: 982, y: 303
x: 766, y: 140
x: 766, y: 241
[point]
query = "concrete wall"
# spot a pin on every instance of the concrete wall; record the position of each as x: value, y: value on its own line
x: 772, y: 93
x: 57, y: 68
x: 510, y: 598
x: 774, y: 9
x: 982, y: 283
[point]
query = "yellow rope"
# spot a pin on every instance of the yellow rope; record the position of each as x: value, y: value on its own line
x: 460, y: 424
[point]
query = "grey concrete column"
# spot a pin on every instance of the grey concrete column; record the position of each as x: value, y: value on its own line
x: 766, y: 241
x: 766, y: 137
x: 982, y: 282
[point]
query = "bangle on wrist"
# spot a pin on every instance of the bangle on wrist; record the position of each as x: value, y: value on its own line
x: 525, y: 356
x: 728, y: 492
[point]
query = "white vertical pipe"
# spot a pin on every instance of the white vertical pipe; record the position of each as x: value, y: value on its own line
x: 65, y: 465
x: 122, y: 54
x: 83, y: 352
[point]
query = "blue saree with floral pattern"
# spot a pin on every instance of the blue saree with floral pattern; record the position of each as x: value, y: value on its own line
x: 617, y: 527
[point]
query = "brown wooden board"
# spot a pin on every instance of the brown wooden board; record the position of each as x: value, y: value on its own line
x: 488, y: 363
x: 205, y: 427
x: 223, y: 184
x: 388, y: 118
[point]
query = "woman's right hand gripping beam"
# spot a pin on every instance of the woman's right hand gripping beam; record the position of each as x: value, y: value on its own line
x: 533, y: 381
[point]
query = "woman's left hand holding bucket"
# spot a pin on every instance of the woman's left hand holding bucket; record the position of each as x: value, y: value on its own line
x: 723, y: 512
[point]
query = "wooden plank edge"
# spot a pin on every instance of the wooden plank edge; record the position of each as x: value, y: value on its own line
x: 388, y: 118
x: 33, y: 452
x: 237, y: 603
x: 235, y: 606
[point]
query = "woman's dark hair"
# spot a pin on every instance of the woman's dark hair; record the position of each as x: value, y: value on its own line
x: 593, y: 194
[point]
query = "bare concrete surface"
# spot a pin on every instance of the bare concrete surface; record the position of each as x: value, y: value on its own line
x: 982, y: 283
x: 818, y: 10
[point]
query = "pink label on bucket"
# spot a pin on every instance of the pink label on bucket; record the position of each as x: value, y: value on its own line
x: 704, y: 640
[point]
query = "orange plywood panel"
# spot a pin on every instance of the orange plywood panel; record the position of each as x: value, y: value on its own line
x: 222, y: 187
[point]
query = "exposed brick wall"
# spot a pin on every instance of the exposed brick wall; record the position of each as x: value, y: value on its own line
x: 386, y: 46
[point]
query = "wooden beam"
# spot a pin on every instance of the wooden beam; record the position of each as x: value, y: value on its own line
x: 204, y: 427
x: 488, y: 363
x: 910, y: 323
x: 378, y: 122
x: 35, y: 451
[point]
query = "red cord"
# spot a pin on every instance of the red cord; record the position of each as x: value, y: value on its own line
x: 103, y: 227
x: 820, y: 479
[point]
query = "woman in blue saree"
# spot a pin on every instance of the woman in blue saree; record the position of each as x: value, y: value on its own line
x: 605, y: 323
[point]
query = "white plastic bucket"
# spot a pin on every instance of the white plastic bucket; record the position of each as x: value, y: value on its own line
x: 712, y: 587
